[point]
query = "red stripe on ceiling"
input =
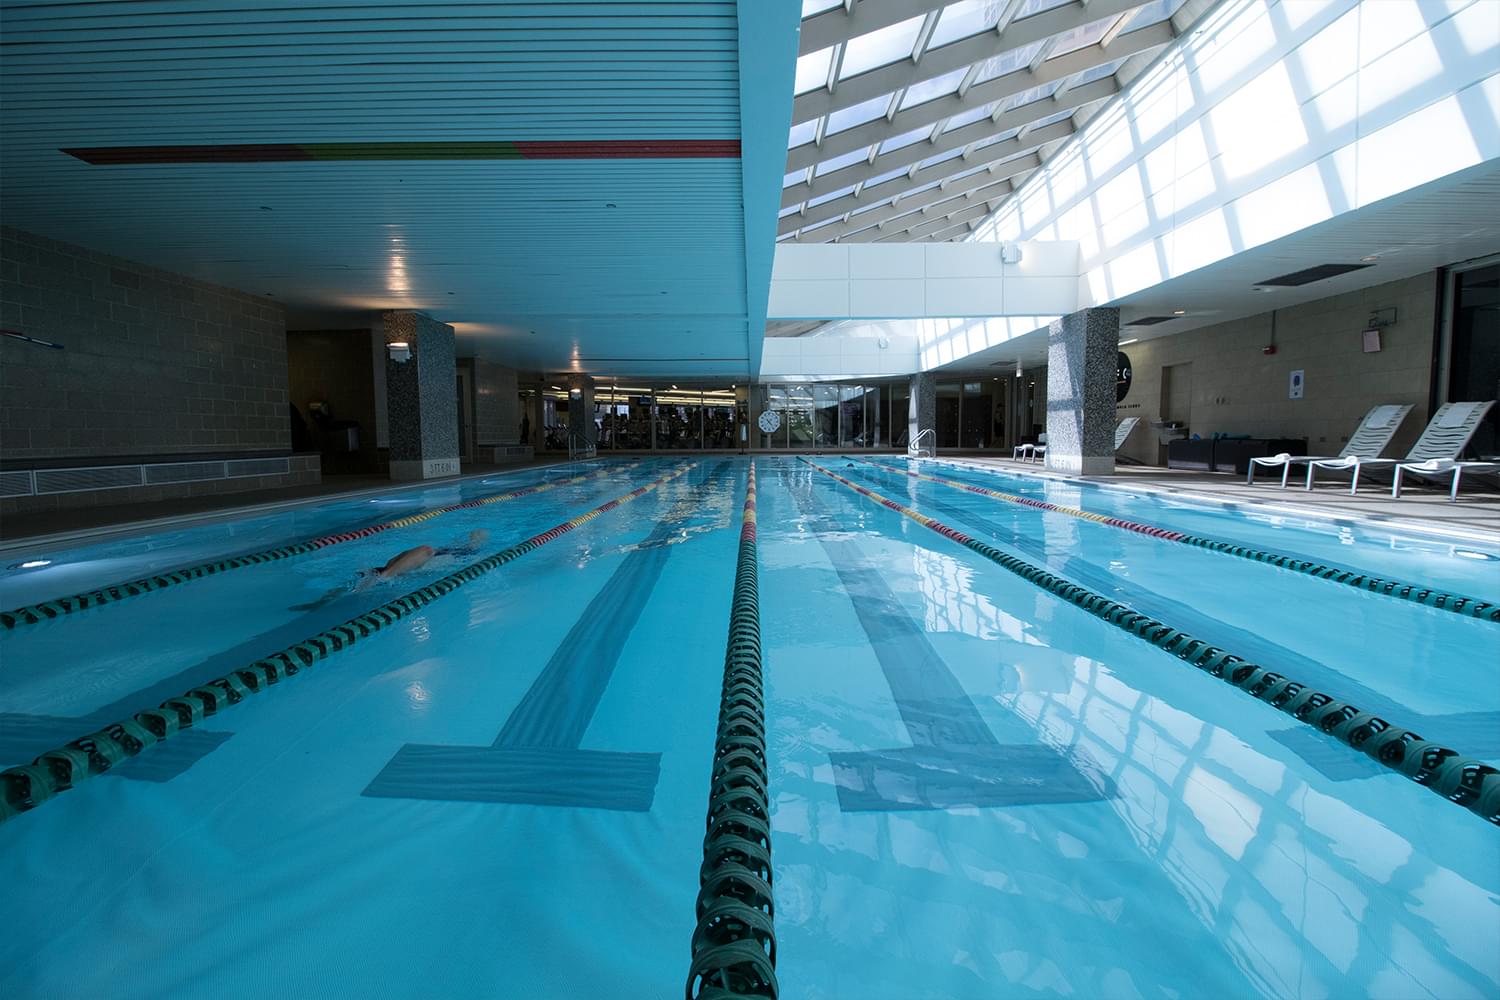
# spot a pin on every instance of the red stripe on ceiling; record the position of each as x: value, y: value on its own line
x: 631, y: 149
x: 609, y: 149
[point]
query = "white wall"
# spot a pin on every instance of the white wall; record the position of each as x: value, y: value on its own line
x: 1269, y: 117
x: 913, y: 280
x: 839, y: 357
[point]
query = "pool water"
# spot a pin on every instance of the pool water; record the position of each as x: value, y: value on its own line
x: 1145, y: 829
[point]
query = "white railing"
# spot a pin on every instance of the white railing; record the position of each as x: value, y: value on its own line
x: 917, y: 449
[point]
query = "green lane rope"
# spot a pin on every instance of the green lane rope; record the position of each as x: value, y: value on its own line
x: 1456, y: 603
x: 33, y: 614
x: 734, y: 945
x: 28, y: 786
x: 1460, y: 779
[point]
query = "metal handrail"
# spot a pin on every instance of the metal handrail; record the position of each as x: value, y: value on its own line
x: 580, y: 446
x: 915, y: 449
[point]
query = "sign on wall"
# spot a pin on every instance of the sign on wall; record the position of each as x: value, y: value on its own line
x: 1123, y: 376
x: 1294, y: 385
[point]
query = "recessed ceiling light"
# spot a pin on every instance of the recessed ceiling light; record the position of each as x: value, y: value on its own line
x: 1179, y: 312
x: 33, y: 564
x: 1373, y: 256
x: 1132, y: 340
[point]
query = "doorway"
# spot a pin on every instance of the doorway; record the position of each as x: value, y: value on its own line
x: 465, y: 417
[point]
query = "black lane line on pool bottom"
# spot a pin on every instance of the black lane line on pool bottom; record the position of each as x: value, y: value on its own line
x: 1462, y: 780
x: 26, y: 787
x: 537, y: 759
x: 955, y: 759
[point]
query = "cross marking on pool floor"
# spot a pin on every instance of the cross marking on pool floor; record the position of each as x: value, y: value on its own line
x: 537, y: 759
x: 955, y: 759
x: 1477, y: 731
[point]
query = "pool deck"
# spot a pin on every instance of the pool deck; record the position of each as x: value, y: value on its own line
x: 1423, y: 506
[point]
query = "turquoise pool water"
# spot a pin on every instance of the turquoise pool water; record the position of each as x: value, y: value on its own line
x: 1160, y: 834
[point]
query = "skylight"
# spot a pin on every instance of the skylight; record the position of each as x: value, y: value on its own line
x: 880, y: 48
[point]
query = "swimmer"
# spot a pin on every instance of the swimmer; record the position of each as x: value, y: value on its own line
x: 401, y: 563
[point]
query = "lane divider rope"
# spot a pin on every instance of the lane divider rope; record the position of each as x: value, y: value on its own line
x: 27, y: 786
x: 734, y: 944
x: 1428, y: 596
x: 1460, y: 779
x: 33, y: 614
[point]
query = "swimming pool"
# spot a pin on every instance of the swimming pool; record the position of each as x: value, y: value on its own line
x: 977, y: 787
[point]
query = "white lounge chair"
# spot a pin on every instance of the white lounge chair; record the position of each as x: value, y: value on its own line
x: 1437, y: 469
x: 1035, y: 452
x: 1369, y: 439
x: 1446, y: 436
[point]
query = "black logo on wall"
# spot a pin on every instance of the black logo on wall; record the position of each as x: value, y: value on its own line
x: 1122, y: 376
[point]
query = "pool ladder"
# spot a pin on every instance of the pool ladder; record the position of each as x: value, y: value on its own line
x: 918, y: 450
x: 580, y: 446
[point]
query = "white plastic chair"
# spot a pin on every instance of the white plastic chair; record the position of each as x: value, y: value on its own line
x: 1437, y: 469
x: 1369, y: 439
x: 1035, y: 452
x: 1447, y: 434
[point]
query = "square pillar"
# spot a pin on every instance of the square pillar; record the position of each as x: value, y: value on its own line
x: 1082, y: 349
x: 421, y: 396
x: 921, y: 411
x: 581, y: 424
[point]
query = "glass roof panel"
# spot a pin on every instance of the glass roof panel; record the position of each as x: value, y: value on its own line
x: 866, y: 111
x: 928, y: 90
x: 933, y: 161
x: 1152, y: 13
x: 968, y: 173
x: 1008, y: 62
x: 990, y: 140
x: 802, y: 133
x: 880, y: 48
x: 795, y: 177
x: 1031, y: 7
x: 969, y: 117
x: 1082, y: 36
x: 963, y: 19
x: 811, y: 7
x: 789, y: 210
x: 905, y: 139
x: 871, y: 207
x: 824, y: 199
x: 812, y: 70
x: 1059, y: 116
x: 839, y: 162
x: 1036, y: 93
x: 820, y: 225
x: 887, y: 176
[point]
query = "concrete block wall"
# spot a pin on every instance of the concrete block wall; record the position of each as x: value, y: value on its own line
x: 153, y: 363
x: 497, y: 404
x: 1238, y: 389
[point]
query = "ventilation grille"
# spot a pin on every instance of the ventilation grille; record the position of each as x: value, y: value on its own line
x: 1308, y: 275
x: 257, y: 467
x: 78, y: 480
x: 183, y: 472
x: 1151, y: 320
x: 15, y: 484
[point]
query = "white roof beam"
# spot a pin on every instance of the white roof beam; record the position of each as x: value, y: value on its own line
x: 843, y: 23
x: 880, y: 130
x: 956, y: 55
x: 1057, y: 68
x: 982, y: 184
x: 861, y: 173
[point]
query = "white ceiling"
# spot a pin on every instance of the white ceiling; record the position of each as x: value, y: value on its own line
x: 542, y: 263
x: 1445, y: 222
